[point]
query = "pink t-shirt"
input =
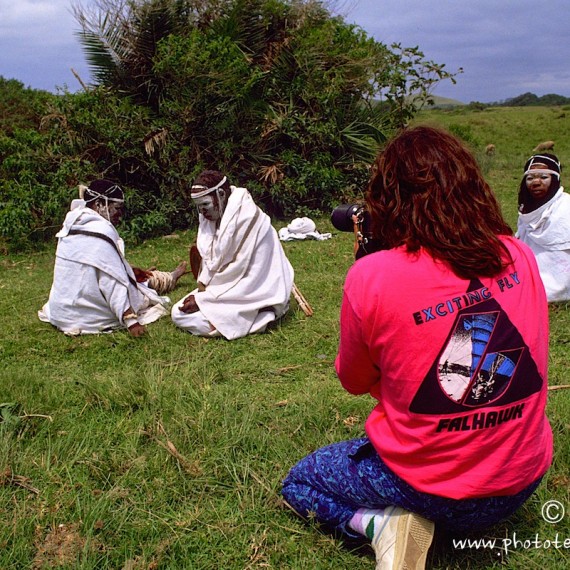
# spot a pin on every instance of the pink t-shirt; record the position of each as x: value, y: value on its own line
x: 459, y: 369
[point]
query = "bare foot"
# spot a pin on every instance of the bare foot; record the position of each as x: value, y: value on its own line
x: 179, y: 271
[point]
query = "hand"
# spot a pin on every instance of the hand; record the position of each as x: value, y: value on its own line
x: 189, y: 305
x: 137, y: 330
x: 140, y: 274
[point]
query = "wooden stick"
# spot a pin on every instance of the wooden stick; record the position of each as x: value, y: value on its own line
x: 305, y: 307
x: 8, y: 478
x: 559, y: 387
x: 79, y: 79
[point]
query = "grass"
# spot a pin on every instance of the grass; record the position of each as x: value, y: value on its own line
x: 168, y: 451
x: 515, y: 132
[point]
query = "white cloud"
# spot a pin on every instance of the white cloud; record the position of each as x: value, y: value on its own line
x: 506, y: 47
x: 15, y: 12
x: 501, y: 46
x: 38, y: 44
x: 30, y: 20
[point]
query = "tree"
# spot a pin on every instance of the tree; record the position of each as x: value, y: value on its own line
x: 281, y: 93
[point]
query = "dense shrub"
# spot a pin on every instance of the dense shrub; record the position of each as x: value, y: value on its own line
x: 79, y: 137
x: 20, y: 108
x: 35, y: 175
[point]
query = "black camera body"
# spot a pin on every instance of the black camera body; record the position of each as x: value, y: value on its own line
x: 356, y: 218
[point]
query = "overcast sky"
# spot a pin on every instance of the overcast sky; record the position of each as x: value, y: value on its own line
x: 505, y: 47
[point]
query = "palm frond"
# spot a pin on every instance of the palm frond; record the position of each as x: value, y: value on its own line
x: 362, y: 140
x: 105, y: 48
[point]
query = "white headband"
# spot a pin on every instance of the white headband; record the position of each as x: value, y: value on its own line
x: 205, y: 190
x: 83, y: 189
x: 541, y: 171
x: 534, y: 158
x: 546, y: 160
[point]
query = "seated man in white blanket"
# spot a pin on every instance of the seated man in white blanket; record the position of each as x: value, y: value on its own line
x: 544, y: 222
x: 245, y: 279
x: 94, y: 288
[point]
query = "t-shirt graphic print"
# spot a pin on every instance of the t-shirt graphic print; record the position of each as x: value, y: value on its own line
x: 483, y: 363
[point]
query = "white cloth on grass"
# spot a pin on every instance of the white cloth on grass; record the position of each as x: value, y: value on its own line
x: 245, y: 272
x: 93, y: 284
x: 300, y: 229
x: 547, y: 231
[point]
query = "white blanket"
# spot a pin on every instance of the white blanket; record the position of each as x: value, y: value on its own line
x: 301, y: 229
x: 547, y: 232
x: 244, y: 269
x: 93, y: 284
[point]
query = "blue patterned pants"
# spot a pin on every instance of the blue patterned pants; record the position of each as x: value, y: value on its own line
x: 335, y: 481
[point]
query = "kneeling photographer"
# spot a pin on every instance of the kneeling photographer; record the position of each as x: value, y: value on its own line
x: 445, y: 325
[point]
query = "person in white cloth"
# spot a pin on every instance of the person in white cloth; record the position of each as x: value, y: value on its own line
x: 245, y: 279
x: 544, y: 222
x: 94, y: 288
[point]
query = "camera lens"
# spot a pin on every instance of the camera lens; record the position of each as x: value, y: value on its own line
x: 341, y: 216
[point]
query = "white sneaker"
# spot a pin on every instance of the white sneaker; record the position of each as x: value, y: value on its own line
x: 403, y: 541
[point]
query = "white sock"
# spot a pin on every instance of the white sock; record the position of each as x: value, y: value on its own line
x: 368, y: 521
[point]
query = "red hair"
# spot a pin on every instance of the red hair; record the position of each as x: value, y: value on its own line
x: 428, y: 191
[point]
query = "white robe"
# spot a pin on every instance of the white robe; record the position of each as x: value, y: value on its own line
x: 93, y: 284
x: 547, y: 232
x: 247, y: 276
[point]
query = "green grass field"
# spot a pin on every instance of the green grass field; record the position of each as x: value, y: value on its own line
x: 167, y: 452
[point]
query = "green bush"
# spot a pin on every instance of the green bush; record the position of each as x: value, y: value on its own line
x: 82, y: 137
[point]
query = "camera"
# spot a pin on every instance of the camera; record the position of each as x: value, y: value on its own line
x: 356, y: 218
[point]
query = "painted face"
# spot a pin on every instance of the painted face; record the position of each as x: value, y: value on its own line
x: 208, y: 206
x: 112, y: 211
x: 116, y: 212
x: 538, y: 183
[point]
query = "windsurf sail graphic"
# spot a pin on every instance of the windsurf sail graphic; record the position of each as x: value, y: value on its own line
x: 484, y: 361
x: 467, y: 374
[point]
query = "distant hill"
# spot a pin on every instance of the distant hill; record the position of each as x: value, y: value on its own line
x: 444, y: 102
x: 524, y: 100
x: 438, y: 103
x: 530, y: 99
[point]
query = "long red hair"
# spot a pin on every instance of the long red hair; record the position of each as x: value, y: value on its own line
x: 427, y: 191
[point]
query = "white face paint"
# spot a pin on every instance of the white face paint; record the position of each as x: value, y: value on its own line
x: 111, y: 211
x: 538, y: 182
x: 208, y: 206
x: 116, y: 212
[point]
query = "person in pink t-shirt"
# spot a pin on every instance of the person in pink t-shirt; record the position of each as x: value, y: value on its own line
x: 446, y: 327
